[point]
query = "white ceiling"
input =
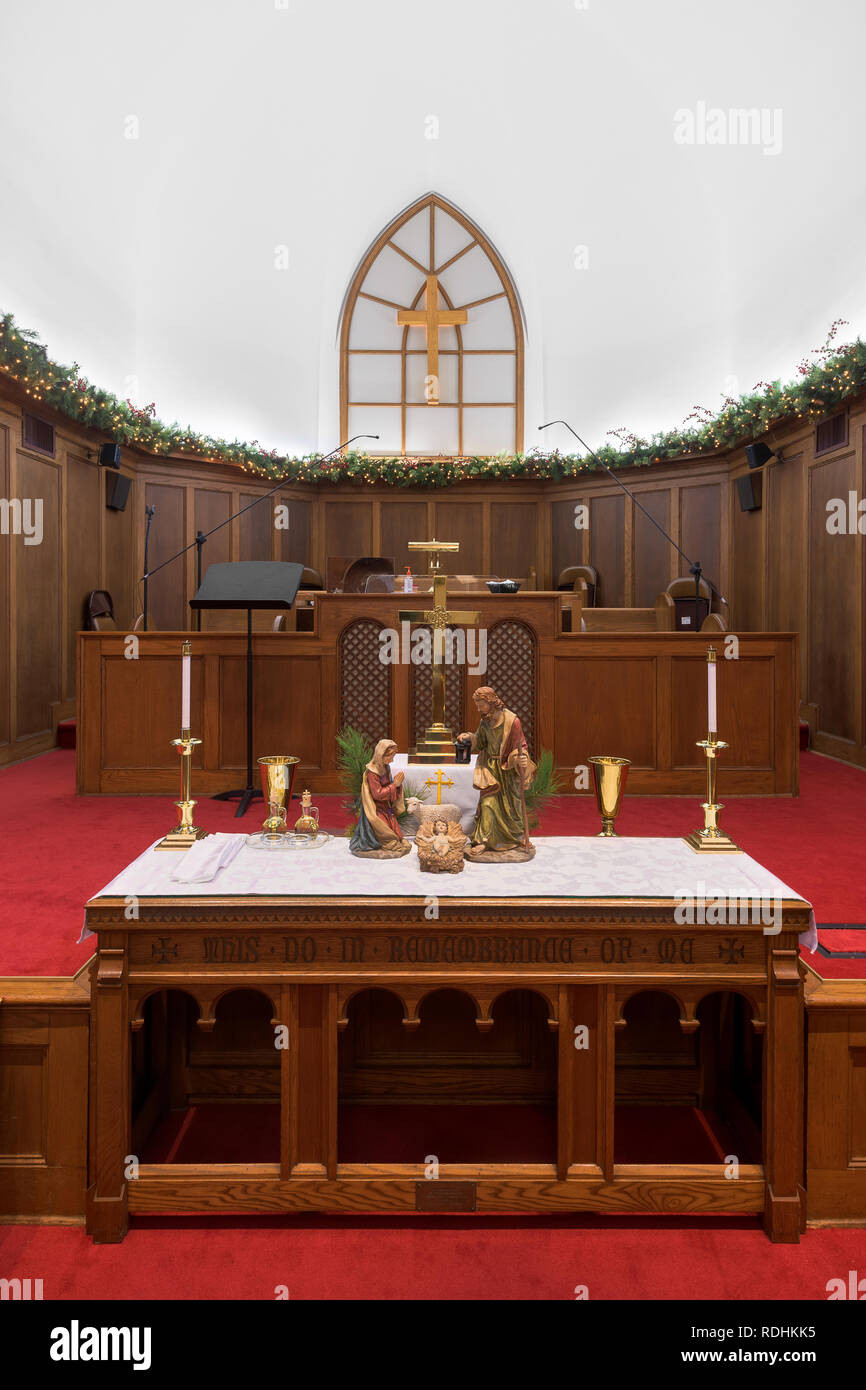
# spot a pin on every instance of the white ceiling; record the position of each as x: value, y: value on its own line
x: 151, y: 261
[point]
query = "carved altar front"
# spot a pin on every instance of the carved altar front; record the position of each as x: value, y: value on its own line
x: 583, y: 961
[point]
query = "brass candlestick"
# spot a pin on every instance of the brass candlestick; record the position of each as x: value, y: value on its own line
x: 185, y: 834
x: 711, y: 837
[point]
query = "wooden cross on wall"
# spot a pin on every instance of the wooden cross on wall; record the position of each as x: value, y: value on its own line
x: 431, y: 318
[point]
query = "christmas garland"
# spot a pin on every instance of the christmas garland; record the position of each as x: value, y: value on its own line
x: 825, y: 378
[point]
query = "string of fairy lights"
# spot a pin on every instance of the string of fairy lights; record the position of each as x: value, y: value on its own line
x: 825, y: 377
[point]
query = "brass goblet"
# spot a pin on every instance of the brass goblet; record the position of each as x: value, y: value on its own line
x: 278, y: 774
x: 608, y: 776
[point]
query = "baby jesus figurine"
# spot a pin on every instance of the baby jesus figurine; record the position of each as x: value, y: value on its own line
x: 440, y: 846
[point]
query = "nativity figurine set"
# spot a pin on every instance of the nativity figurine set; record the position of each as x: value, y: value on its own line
x: 500, y: 833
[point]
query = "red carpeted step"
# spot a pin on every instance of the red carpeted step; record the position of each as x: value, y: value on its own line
x: 66, y: 733
x: 805, y: 733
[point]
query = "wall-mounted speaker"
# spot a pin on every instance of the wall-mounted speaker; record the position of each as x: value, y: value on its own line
x: 758, y: 454
x: 749, y: 490
x: 116, y: 491
x: 109, y: 455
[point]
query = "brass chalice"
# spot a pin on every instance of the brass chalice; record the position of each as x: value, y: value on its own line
x: 278, y: 774
x: 608, y: 775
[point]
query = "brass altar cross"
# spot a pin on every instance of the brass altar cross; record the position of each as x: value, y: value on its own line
x: 431, y: 318
x: 437, y: 745
x: 439, y: 781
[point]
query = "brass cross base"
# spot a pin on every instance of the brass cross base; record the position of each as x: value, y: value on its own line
x: 437, y: 746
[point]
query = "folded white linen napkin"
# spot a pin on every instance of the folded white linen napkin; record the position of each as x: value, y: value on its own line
x: 204, y: 859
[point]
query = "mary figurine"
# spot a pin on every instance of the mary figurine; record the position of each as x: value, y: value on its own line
x: 377, y: 834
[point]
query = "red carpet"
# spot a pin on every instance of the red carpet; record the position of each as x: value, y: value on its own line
x: 60, y: 849
x: 431, y: 1258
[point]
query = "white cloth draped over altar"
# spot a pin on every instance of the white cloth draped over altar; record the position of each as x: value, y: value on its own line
x: 454, y: 788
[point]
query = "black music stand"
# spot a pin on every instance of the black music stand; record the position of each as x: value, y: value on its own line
x: 248, y: 584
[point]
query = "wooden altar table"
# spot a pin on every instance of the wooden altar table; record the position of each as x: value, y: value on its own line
x: 587, y: 926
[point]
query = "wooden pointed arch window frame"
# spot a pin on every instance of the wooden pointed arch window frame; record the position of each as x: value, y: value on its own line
x: 432, y: 201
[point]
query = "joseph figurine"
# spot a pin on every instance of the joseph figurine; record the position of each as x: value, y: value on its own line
x: 503, y: 771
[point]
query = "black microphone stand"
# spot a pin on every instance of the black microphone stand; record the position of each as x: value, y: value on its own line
x: 148, y: 511
x: 694, y: 566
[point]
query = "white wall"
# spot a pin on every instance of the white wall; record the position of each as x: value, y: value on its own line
x: 151, y: 260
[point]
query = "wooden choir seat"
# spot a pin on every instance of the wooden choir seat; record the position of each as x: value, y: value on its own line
x: 581, y: 579
x: 714, y: 622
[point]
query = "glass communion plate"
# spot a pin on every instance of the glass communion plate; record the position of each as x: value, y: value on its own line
x: 288, y: 841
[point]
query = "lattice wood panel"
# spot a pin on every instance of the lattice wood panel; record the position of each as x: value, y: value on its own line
x: 365, y: 682
x: 511, y: 670
x: 421, y: 687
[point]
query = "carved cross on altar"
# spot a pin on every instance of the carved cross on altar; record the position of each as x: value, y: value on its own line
x: 431, y: 317
x: 437, y: 746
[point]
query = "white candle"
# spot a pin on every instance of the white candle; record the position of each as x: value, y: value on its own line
x: 185, y: 674
x: 712, y: 717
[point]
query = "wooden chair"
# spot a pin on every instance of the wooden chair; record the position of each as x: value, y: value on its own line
x: 714, y: 622
x: 311, y: 579
x: 99, y: 612
x: 682, y: 593
x: 578, y: 578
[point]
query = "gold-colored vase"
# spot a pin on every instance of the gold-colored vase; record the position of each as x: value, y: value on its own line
x: 608, y: 775
x: 278, y: 774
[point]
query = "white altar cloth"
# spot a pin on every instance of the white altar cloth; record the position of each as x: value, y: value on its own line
x: 563, y: 867
x: 461, y: 794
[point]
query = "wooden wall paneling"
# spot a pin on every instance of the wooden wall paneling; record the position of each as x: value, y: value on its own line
x: 512, y: 539
x: 607, y: 548
x: 212, y: 508
x: 565, y: 540
x: 605, y: 704
x: 295, y: 542
x: 463, y: 522
x: 835, y: 611
x: 628, y: 551
x: 486, y: 566
x: 255, y: 528
x: 38, y: 605
x: 746, y: 710
x: 85, y: 502
x: 403, y: 521
x: 137, y: 732
x: 167, y: 599
x: 118, y: 574
x: 700, y: 527
x: 787, y: 552
x: 653, y: 556
x: 348, y: 528
x: 836, y: 1092
x: 43, y: 1099
x: 746, y: 597
x: 6, y: 644
x: 287, y: 700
